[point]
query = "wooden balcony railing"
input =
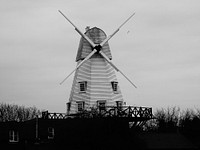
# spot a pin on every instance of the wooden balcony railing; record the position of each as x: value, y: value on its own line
x: 126, y: 112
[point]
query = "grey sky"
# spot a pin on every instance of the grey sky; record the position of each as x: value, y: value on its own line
x: 158, y: 49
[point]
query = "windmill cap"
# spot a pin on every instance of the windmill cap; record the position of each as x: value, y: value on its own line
x: 97, y: 36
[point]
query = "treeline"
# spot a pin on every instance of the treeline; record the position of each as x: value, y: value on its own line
x: 173, y: 119
x: 170, y: 119
x: 13, y: 112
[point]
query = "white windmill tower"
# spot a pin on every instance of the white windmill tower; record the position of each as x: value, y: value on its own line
x: 95, y: 83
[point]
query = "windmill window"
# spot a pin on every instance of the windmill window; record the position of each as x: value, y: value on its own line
x: 119, y: 105
x: 13, y: 136
x: 101, y: 105
x: 83, y: 86
x: 68, y: 107
x: 114, y: 86
x: 80, y: 106
x: 50, y: 133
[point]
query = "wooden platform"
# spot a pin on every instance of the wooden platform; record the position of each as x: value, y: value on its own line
x: 130, y: 113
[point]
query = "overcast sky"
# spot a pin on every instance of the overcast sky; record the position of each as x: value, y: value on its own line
x: 158, y: 49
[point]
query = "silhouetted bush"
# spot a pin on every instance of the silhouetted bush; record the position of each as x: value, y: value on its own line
x: 190, y: 122
x: 168, y: 119
x: 164, y: 120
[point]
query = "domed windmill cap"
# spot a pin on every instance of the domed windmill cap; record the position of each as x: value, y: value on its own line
x: 97, y: 36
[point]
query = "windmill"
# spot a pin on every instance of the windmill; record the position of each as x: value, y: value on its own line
x: 95, y: 83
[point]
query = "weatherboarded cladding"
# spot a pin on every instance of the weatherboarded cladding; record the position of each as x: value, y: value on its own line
x: 98, y: 74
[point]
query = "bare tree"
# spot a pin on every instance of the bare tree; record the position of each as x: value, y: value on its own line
x: 167, y: 119
x: 12, y: 112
